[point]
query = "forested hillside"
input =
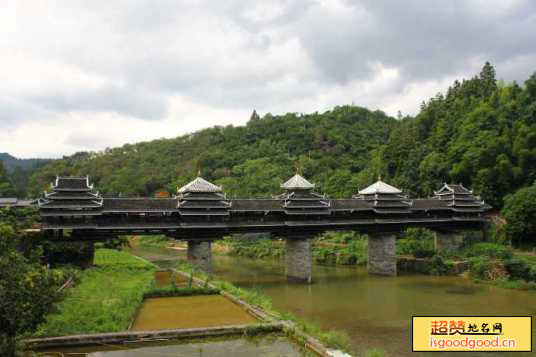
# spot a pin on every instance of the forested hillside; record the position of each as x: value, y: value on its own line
x: 332, y: 148
x: 15, y: 173
x: 6, y: 188
x: 480, y: 133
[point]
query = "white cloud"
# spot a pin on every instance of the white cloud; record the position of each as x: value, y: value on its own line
x: 78, y: 75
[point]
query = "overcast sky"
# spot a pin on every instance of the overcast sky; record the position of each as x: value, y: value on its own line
x: 85, y: 75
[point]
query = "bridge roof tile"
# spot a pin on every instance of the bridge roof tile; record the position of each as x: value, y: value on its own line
x: 199, y: 185
x: 297, y: 182
x: 379, y: 187
x: 140, y: 204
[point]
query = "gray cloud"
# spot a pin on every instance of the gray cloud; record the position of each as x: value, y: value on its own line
x: 133, y: 58
x: 131, y: 101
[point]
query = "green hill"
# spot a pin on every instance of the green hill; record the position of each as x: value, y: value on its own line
x: 480, y: 133
x: 14, y: 174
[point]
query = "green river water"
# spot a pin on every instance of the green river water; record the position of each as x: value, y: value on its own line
x: 375, y: 311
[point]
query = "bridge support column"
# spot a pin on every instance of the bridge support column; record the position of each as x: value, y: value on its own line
x: 448, y: 242
x: 382, y: 254
x: 298, y: 258
x: 199, y: 255
x: 87, y: 254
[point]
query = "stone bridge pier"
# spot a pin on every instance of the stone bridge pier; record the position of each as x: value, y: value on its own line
x: 448, y: 242
x: 199, y: 255
x: 382, y: 254
x: 453, y: 241
x: 298, y: 259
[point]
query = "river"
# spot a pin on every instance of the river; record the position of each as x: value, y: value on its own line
x: 375, y: 311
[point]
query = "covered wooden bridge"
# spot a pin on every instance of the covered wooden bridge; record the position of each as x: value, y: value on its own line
x: 200, y: 213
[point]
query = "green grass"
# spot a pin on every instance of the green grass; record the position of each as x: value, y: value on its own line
x: 174, y: 291
x: 109, y: 258
x: 105, y: 299
x: 154, y: 241
x: 330, y: 338
x: 518, y: 284
x: 529, y: 258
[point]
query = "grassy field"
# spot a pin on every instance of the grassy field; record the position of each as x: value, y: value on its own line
x: 106, y: 299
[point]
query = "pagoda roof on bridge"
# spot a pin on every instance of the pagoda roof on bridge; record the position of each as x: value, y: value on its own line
x: 297, y: 182
x: 71, y: 184
x: 380, y: 187
x: 70, y: 194
x: 460, y: 199
x: 448, y: 189
x: 199, y: 185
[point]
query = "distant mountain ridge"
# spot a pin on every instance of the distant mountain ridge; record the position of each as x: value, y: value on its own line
x: 15, y: 174
x: 11, y: 162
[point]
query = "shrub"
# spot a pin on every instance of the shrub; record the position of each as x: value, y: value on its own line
x: 440, y: 266
x: 117, y: 243
x: 418, y: 242
x: 58, y: 253
x: 520, y: 213
x: 153, y: 241
x: 492, y: 250
x: 518, y: 268
x: 485, y: 268
x: 28, y: 291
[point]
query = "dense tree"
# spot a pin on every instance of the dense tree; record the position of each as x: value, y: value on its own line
x: 251, y: 160
x: 520, y: 214
x: 480, y: 132
x: 6, y: 188
x: 27, y: 290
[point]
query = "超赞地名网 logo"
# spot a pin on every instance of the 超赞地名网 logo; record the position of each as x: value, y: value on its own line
x: 452, y: 327
x: 472, y: 333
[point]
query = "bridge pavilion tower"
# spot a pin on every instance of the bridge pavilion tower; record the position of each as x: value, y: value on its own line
x: 199, y: 202
x: 71, y: 203
x: 300, y: 201
x: 462, y: 202
x: 386, y: 202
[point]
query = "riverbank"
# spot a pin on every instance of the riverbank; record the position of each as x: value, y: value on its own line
x: 374, y: 311
x: 109, y: 296
x: 106, y: 298
x: 488, y: 262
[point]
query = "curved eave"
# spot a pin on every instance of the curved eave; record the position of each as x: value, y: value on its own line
x: 54, y: 196
x: 390, y: 211
x: 203, y: 213
x: 139, y: 211
x: 291, y: 205
x: 53, y: 205
x: 307, y: 212
x: 71, y: 189
x: 69, y: 213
